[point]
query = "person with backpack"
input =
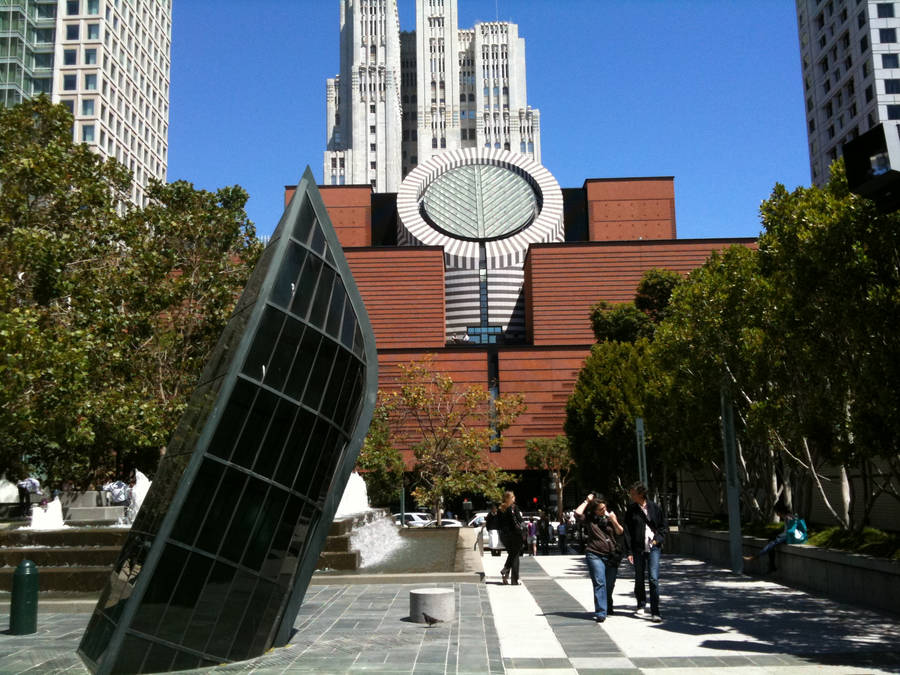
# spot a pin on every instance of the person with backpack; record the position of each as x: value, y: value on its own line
x: 601, y: 552
x: 794, y: 532
x: 511, y: 530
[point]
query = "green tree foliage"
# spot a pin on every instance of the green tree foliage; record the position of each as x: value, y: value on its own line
x: 107, y: 311
x: 451, y: 429
x: 619, y: 323
x: 380, y: 463
x: 554, y: 456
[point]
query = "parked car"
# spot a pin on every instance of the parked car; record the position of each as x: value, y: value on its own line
x: 478, y: 519
x: 413, y: 519
x: 445, y: 522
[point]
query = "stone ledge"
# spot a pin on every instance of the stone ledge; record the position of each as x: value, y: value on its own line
x: 850, y: 577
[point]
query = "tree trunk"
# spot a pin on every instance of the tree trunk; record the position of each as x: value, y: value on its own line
x: 845, y: 497
x: 559, y: 495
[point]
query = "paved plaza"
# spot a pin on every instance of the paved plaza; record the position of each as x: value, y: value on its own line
x: 714, y: 622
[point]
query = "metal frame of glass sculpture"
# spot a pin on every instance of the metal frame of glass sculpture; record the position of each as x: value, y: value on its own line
x: 220, y: 555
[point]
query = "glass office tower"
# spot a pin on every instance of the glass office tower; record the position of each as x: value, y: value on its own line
x: 218, y: 560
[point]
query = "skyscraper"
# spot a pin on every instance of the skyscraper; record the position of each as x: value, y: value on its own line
x: 850, y: 55
x: 401, y: 98
x: 107, y: 61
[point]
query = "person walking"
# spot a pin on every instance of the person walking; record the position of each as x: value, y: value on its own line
x: 27, y: 487
x: 531, y: 540
x: 543, y: 534
x: 645, y: 531
x: 492, y: 523
x: 601, y: 554
x: 511, y: 529
x: 561, y: 535
x: 794, y: 532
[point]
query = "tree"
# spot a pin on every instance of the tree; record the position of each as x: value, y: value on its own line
x: 107, y: 310
x: 380, y: 463
x: 451, y: 430
x: 553, y: 456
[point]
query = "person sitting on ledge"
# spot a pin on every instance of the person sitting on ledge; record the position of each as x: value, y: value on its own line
x: 794, y: 533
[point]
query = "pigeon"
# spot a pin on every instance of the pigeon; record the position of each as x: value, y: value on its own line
x: 430, y: 620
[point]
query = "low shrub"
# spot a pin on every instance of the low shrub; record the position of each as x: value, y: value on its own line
x: 869, y: 541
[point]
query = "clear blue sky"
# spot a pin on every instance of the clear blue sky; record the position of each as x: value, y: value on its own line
x: 707, y: 91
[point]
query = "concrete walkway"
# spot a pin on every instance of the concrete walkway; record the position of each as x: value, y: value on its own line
x: 714, y: 622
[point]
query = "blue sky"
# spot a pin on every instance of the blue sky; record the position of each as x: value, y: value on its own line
x: 707, y: 91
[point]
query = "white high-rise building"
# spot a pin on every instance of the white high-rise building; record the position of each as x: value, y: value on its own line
x: 457, y: 89
x: 850, y: 55
x: 107, y: 61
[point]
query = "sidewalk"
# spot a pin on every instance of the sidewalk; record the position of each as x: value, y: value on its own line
x: 714, y: 622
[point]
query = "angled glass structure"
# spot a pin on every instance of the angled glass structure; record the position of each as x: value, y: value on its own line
x: 220, y: 556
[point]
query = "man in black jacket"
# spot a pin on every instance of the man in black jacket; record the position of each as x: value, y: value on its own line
x: 645, y: 531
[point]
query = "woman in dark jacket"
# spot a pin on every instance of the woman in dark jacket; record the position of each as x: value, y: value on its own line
x: 601, y: 554
x: 511, y: 523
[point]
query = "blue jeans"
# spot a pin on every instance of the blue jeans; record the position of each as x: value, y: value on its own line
x: 603, y: 576
x: 650, y: 563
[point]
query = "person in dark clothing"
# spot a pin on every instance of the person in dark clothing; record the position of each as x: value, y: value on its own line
x: 543, y: 534
x: 645, y: 531
x: 601, y: 554
x: 511, y: 525
x: 492, y: 525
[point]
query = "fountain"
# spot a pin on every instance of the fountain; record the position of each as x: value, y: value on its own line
x: 360, y: 535
x: 47, y: 517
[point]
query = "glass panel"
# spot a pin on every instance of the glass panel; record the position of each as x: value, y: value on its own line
x: 131, y: 655
x: 96, y: 637
x: 156, y: 598
x: 263, y: 344
x: 323, y: 298
x: 263, y: 409
x: 185, y: 661
x: 338, y: 380
x: 336, y: 310
x: 306, y: 355
x: 219, y: 514
x: 305, y: 220
x: 319, y: 375
x: 200, y: 495
x: 294, y: 447
x: 233, y: 418
x: 272, y: 447
x: 209, y: 606
x: 240, y: 648
x: 348, y: 327
x: 178, y: 614
x: 345, y: 400
x: 311, y: 457
x: 271, y: 566
x: 286, y: 283
x: 158, y: 659
x: 248, y: 511
x: 258, y: 544
x: 280, y: 364
x: 306, y: 287
x: 231, y: 615
x: 317, y: 241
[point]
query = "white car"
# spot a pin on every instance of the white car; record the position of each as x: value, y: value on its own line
x: 478, y: 519
x: 445, y: 522
x: 413, y: 519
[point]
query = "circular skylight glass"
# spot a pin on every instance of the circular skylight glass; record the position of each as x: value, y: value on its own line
x: 480, y: 202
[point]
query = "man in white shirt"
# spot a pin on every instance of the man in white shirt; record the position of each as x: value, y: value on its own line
x: 645, y: 532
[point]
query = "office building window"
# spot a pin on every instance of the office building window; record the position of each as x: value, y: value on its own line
x: 70, y: 105
x: 93, y: 7
x: 87, y: 107
x: 72, y: 32
x: 93, y: 31
x: 87, y: 133
x: 890, y: 60
x: 869, y: 93
x: 887, y: 35
x: 371, y: 147
x: 72, y: 7
x: 70, y: 57
x: 372, y: 108
x: 885, y: 10
x: 371, y: 129
x: 893, y: 112
x: 90, y: 81
x: 90, y: 56
x: 70, y: 82
x: 892, y: 86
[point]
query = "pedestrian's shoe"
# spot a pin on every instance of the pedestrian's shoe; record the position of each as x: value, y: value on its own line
x: 599, y: 619
x: 656, y: 618
x: 610, y: 611
x: 641, y: 611
x: 514, y: 583
x: 504, y: 574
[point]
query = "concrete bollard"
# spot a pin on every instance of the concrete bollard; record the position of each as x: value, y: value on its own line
x: 24, y: 601
x: 438, y: 603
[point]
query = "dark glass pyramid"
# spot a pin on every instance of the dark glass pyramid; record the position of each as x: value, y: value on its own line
x: 220, y: 556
